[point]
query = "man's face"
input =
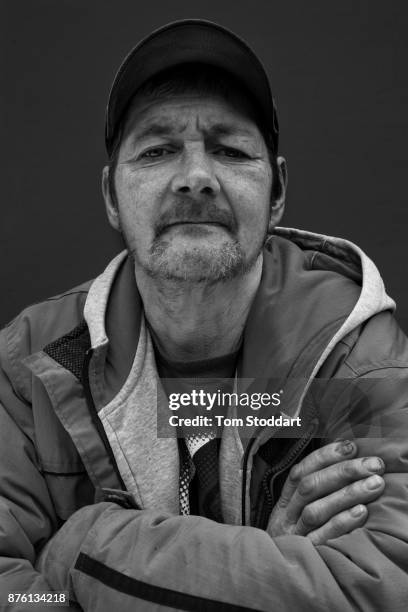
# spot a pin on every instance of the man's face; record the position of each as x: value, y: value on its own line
x: 193, y: 186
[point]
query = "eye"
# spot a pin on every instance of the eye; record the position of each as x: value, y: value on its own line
x: 155, y: 153
x: 233, y: 153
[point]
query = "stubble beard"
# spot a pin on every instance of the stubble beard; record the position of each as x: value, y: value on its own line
x: 199, y: 264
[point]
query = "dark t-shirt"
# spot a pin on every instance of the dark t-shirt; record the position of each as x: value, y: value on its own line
x: 209, y: 375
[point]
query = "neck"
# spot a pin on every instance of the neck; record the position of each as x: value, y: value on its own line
x: 193, y: 321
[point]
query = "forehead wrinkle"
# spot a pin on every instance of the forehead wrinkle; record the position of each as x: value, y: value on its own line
x: 173, y: 123
x: 240, y: 119
x: 166, y: 128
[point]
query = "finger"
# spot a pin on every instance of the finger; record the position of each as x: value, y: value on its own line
x: 330, y: 479
x: 321, y: 511
x: 317, y: 460
x: 339, y: 525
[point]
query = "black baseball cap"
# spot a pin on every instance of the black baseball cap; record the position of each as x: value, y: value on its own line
x: 187, y: 41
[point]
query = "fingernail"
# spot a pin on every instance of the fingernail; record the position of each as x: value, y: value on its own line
x: 373, y: 464
x: 357, y: 510
x: 374, y: 482
x: 345, y: 448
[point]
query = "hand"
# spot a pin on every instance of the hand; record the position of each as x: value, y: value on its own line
x: 324, y: 495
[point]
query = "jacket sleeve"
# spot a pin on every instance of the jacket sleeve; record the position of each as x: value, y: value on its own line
x: 148, y: 560
x: 27, y: 517
x: 108, y: 556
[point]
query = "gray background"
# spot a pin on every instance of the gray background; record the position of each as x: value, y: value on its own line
x: 339, y: 73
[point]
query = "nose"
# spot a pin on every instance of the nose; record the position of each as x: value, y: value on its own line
x: 195, y: 175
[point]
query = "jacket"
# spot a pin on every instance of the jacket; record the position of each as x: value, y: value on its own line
x: 90, y: 492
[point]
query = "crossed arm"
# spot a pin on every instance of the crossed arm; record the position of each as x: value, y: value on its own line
x: 314, y: 555
x: 317, y: 501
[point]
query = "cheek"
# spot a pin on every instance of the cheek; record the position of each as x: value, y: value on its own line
x: 252, y: 193
x: 138, y: 200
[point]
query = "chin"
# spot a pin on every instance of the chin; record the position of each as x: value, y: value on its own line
x: 205, y: 264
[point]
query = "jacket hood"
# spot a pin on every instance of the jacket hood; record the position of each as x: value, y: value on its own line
x: 314, y: 290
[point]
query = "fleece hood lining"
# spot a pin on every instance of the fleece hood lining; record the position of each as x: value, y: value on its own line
x: 373, y: 298
x: 97, y: 301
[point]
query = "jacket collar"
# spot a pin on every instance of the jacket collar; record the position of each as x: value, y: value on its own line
x: 314, y: 290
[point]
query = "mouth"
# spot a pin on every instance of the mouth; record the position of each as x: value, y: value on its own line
x: 201, y: 222
x: 194, y: 228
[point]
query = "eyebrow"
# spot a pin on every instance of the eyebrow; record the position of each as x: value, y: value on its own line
x: 167, y: 128
x: 228, y: 129
x: 154, y: 129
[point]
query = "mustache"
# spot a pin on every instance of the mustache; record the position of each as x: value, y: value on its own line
x: 189, y: 210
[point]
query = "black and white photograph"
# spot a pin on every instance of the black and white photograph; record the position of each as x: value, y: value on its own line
x: 204, y: 306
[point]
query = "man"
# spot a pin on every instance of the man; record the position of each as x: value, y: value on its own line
x: 95, y: 501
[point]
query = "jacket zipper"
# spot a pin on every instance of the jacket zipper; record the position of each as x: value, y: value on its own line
x: 94, y: 415
x: 277, y: 469
x: 244, y: 479
x: 300, y: 445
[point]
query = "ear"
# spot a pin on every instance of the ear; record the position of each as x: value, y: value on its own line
x: 278, y: 203
x: 110, y: 204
